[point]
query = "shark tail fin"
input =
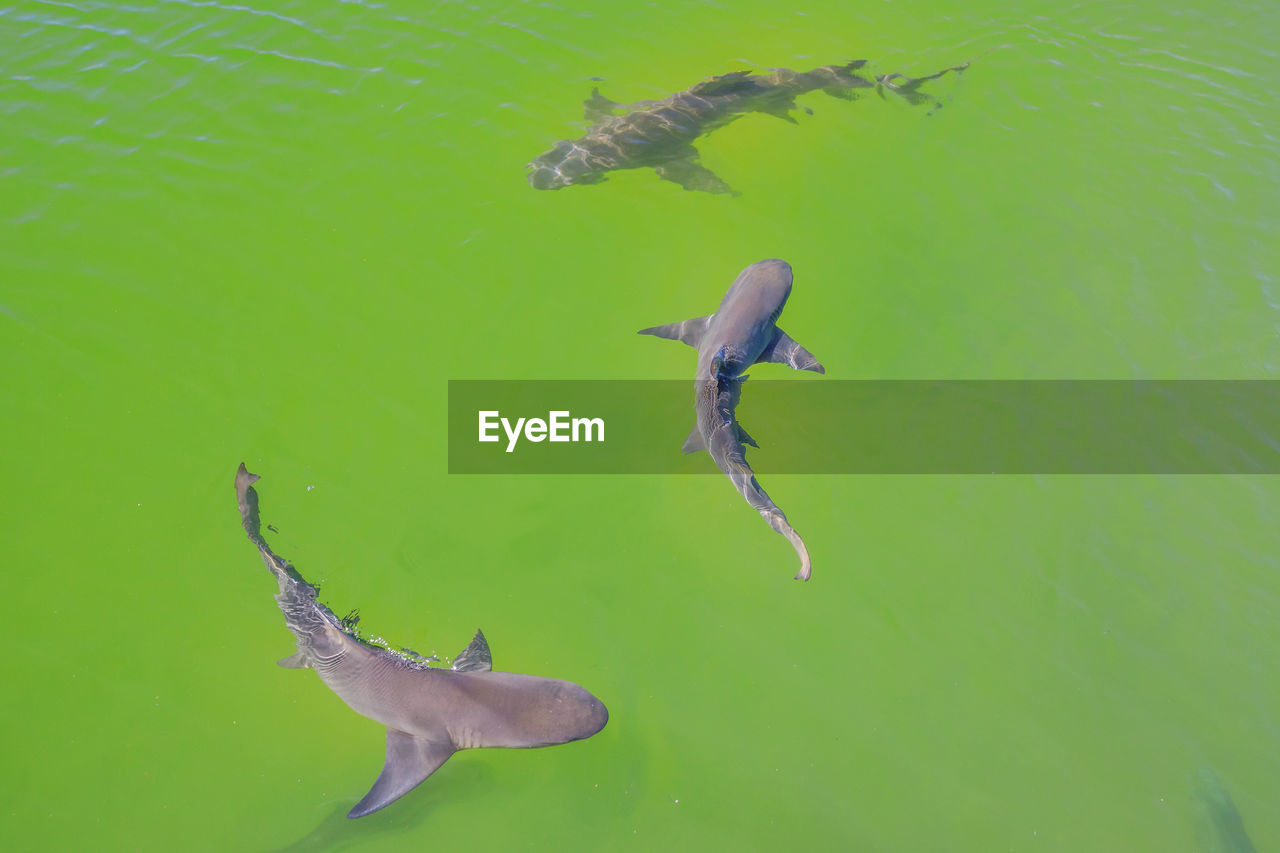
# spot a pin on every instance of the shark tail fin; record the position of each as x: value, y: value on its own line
x: 475, y: 657
x: 909, y: 87
x: 778, y: 522
x: 689, y: 331
x: 410, y: 760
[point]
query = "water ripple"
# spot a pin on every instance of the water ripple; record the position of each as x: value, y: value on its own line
x: 1225, y: 69
x: 327, y: 63
x: 249, y: 10
x: 47, y: 21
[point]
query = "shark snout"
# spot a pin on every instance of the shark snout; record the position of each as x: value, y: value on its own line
x: 551, y: 170
x: 546, y: 178
x: 589, y: 714
x: 596, y: 716
x: 563, y: 166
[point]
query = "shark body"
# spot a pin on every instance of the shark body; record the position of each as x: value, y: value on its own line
x: 660, y: 134
x: 430, y: 712
x: 742, y: 332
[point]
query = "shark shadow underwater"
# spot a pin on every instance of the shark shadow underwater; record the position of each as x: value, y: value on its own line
x: 660, y: 134
x: 430, y: 712
x: 742, y: 332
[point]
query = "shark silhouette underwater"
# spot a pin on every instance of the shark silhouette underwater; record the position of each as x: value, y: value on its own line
x: 660, y: 134
x: 742, y: 332
x: 1219, y: 826
x: 430, y: 712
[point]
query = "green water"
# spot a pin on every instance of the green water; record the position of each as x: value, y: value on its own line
x: 272, y: 232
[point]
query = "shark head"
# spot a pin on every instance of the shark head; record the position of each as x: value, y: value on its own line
x: 581, y: 714
x: 562, y: 166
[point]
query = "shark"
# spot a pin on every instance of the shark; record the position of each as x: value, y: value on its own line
x: 1219, y: 827
x: 660, y: 134
x: 430, y: 712
x: 743, y: 331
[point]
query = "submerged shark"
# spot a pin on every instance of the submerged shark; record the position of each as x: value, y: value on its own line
x: 660, y: 134
x: 1219, y: 826
x: 430, y: 712
x: 741, y: 333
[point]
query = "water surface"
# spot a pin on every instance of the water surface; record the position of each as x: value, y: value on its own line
x: 271, y: 233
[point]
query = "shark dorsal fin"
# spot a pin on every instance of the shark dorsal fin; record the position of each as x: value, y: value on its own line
x: 410, y: 760
x: 598, y: 108
x: 725, y: 84
x: 689, y: 331
x: 475, y: 657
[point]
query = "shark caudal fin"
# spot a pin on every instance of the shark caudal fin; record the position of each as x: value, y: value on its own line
x: 689, y: 332
x: 775, y: 518
x: 806, y: 566
x: 909, y: 87
x: 783, y: 349
x: 410, y: 760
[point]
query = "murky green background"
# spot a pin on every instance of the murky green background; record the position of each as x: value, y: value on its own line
x: 272, y: 232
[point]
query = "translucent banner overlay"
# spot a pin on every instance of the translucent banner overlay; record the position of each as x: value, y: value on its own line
x: 826, y: 426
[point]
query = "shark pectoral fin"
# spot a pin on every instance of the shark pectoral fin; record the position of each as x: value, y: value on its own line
x: 689, y: 332
x: 745, y: 437
x: 694, y: 442
x: 410, y: 760
x: 782, y: 110
x: 297, y: 660
x: 693, y: 176
x: 784, y: 350
x: 911, y: 96
x: 842, y: 93
x: 475, y: 657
